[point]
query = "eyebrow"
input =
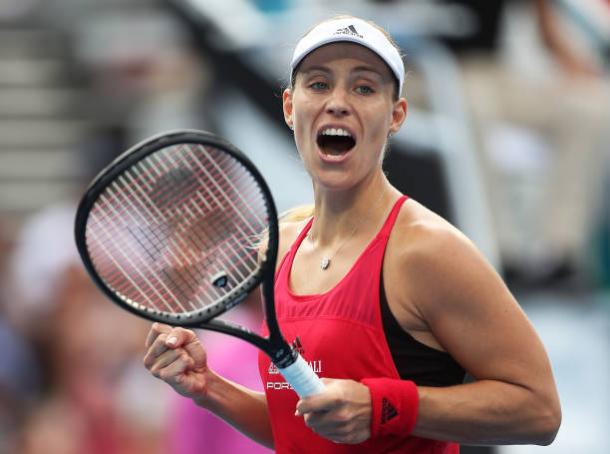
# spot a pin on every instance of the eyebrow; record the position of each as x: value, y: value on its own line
x: 368, y: 69
x: 312, y: 69
x: 357, y: 69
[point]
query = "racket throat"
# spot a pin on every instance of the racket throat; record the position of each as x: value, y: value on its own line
x: 284, y: 356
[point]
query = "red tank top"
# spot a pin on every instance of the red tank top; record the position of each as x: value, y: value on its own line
x: 340, y: 334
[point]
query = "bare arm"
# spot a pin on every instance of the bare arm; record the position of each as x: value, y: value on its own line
x: 176, y: 356
x: 244, y: 409
x: 475, y: 318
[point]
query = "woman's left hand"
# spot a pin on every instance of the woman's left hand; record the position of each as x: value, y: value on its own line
x: 341, y: 413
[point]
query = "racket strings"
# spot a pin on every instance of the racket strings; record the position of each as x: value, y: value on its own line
x: 133, y: 262
x: 231, y: 186
x: 248, y: 240
x: 167, y: 287
x: 165, y: 227
x: 214, y: 220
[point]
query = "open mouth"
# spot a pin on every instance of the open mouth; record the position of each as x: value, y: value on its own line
x: 335, y: 141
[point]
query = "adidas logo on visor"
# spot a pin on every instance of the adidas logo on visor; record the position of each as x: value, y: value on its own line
x: 351, y: 30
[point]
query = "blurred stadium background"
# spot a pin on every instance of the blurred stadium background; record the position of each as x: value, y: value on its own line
x: 507, y: 137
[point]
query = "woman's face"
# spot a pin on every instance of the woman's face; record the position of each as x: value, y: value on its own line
x: 342, y: 109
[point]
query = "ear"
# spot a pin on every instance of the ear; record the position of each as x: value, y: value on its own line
x: 399, y: 114
x: 287, y: 107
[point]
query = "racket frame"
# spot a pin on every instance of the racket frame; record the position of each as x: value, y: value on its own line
x: 275, y: 346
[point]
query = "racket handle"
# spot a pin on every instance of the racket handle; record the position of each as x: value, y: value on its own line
x: 302, y: 378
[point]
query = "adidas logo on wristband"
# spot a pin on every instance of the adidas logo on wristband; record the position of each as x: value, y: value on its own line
x: 388, y: 411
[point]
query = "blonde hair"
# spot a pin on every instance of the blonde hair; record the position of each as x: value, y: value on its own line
x: 297, y: 214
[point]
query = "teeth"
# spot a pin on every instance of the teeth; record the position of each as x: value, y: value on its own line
x: 336, y: 132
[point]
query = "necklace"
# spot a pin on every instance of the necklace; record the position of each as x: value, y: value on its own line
x: 327, y: 259
x: 325, y: 262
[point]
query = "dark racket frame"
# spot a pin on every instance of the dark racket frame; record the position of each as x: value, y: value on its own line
x: 289, y: 362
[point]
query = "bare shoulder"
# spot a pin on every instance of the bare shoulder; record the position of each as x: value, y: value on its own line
x: 422, y: 235
x: 289, y: 230
x: 437, y: 259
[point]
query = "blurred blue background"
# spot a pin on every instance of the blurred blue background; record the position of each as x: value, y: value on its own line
x: 507, y: 137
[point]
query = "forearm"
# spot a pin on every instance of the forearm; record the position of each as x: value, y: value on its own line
x: 486, y: 412
x: 242, y: 408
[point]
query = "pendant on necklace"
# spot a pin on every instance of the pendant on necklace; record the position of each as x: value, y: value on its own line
x: 324, y: 263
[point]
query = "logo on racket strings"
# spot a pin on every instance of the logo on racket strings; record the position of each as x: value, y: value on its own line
x: 220, y: 279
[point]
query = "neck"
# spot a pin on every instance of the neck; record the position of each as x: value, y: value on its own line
x: 358, y: 211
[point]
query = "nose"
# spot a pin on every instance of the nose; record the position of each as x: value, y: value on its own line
x: 337, y: 104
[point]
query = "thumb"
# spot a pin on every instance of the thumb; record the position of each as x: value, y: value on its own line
x: 178, y: 337
x: 188, y: 340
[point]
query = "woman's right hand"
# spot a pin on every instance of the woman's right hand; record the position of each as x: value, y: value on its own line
x: 176, y: 356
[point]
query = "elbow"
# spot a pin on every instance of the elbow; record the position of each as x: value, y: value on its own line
x: 549, y: 422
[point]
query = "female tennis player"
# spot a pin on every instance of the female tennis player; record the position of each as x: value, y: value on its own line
x: 387, y: 301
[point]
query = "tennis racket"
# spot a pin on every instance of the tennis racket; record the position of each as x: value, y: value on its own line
x: 174, y: 230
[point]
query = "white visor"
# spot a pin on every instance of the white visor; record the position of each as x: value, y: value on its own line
x: 351, y: 30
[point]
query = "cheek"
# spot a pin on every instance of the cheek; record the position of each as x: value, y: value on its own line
x: 302, y: 118
x: 301, y: 141
x: 301, y: 111
x: 378, y: 129
x: 376, y: 137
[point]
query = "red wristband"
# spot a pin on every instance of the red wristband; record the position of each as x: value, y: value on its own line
x: 395, y: 404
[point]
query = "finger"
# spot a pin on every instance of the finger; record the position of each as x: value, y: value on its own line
x: 323, y: 401
x: 335, y: 434
x: 158, y: 348
x: 338, y: 433
x: 196, y: 351
x: 338, y: 438
x: 155, y: 330
x: 171, y: 338
x: 173, y: 373
x: 318, y: 403
x: 324, y: 421
x: 166, y: 359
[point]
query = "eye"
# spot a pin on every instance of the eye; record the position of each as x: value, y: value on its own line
x: 319, y: 85
x: 365, y: 89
